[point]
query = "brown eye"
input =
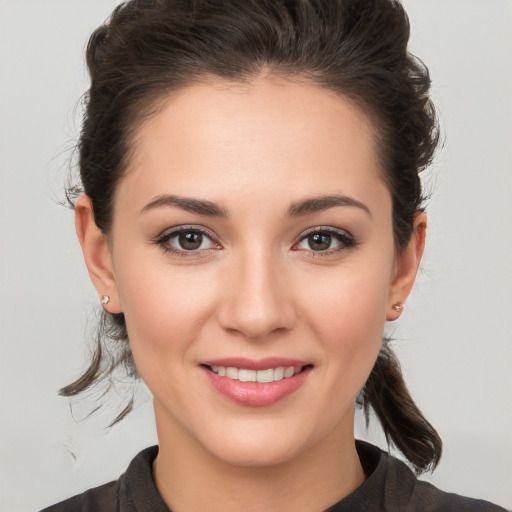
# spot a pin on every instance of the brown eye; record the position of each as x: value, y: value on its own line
x: 190, y: 241
x: 185, y: 241
x: 319, y: 242
x: 326, y: 241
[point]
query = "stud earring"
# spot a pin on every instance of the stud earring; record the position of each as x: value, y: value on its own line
x: 105, y: 299
x: 398, y: 307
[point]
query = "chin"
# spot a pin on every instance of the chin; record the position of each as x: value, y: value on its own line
x: 249, y: 454
x: 260, y: 445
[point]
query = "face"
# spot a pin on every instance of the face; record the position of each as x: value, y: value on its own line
x: 252, y: 237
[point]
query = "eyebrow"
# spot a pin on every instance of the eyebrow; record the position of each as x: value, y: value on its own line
x: 301, y: 208
x: 188, y: 204
x: 321, y: 203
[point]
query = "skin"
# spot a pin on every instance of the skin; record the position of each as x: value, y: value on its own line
x: 257, y: 289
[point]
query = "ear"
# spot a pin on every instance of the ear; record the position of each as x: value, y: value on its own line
x: 96, y: 253
x: 406, y: 268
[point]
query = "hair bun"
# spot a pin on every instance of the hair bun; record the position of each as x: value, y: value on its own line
x: 97, y: 50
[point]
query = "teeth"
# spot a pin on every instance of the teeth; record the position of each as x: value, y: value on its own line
x: 265, y: 376
x: 288, y: 372
x: 279, y: 373
x: 247, y: 375
x: 232, y: 373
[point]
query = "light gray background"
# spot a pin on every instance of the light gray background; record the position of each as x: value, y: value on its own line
x: 455, y: 338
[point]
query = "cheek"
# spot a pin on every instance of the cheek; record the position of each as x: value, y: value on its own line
x: 347, y: 313
x: 165, y: 308
x: 352, y: 298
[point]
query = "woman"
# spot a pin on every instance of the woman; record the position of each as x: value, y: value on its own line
x: 251, y: 217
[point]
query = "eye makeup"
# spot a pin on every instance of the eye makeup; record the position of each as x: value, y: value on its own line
x: 325, y: 241
x: 188, y: 237
x: 195, y: 241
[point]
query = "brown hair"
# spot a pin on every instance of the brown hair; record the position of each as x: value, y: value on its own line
x: 151, y: 48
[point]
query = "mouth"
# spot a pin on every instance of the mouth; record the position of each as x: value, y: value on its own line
x: 264, y: 376
x: 256, y: 383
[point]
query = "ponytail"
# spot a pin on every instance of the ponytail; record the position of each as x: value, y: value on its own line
x: 403, y: 423
x: 111, y: 359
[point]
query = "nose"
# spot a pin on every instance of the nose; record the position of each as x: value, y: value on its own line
x: 257, y: 298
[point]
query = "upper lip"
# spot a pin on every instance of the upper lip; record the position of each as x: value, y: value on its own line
x: 256, y: 364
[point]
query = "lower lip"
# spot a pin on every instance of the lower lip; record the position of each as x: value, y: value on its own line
x: 256, y: 394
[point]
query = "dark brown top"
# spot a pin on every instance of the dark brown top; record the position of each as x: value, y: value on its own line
x: 390, y: 487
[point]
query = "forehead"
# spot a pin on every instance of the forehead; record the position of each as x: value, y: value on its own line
x: 271, y: 138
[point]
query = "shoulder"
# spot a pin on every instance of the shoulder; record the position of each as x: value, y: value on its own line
x: 97, y: 499
x: 432, y: 498
x: 392, y: 486
x: 134, y: 486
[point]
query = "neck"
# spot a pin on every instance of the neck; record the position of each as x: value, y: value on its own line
x: 191, y: 479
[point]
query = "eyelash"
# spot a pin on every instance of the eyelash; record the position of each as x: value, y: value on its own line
x: 163, y: 242
x: 345, y: 239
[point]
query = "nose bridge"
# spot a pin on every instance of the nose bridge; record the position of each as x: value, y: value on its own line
x: 258, y: 302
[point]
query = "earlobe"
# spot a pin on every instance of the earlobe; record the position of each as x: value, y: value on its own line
x: 406, y: 268
x: 97, y: 255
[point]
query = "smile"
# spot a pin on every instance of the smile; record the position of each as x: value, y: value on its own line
x: 265, y: 376
x: 256, y: 383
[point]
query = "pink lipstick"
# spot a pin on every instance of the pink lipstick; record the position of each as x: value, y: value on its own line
x: 256, y: 383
